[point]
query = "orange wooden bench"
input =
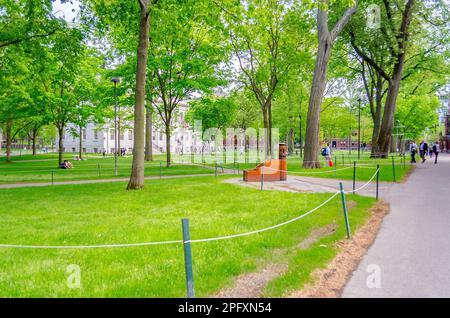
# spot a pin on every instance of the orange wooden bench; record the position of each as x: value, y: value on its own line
x: 274, y: 169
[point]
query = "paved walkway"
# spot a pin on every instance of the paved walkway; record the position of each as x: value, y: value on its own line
x: 311, y: 184
x: 412, y: 250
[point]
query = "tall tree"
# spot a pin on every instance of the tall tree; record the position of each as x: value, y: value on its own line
x: 67, y: 80
x: 326, y: 40
x: 149, y: 133
x: 395, y: 30
x: 269, y: 38
x: 137, y: 169
x: 126, y: 25
x: 185, y: 50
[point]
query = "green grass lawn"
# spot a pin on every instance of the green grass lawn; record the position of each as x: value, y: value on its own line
x: 28, y: 156
x: 106, y: 213
x: 39, y: 168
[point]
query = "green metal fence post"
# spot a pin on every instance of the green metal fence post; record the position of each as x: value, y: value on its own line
x: 378, y: 179
x: 344, y: 206
x: 393, y: 168
x: 354, y: 176
x: 52, y: 175
x: 188, y: 259
x: 98, y: 170
x: 160, y: 169
x: 335, y: 168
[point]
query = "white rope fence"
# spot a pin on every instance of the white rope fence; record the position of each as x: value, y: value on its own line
x: 169, y: 242
x: 267, y: 228
x: 307, y: 172
x: 368, y: 182
x: 119, y: 245
x: 88, y: 246
x: 186, y: 241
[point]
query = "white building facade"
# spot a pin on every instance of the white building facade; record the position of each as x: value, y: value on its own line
x: 100, y: 138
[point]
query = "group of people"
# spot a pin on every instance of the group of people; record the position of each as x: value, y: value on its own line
x: 424, y: 149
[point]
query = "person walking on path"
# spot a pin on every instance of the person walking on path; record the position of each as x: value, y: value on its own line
x: 436, y: 151
x: 413, y: 151
x: 326, y: 152
x: 423, y: 148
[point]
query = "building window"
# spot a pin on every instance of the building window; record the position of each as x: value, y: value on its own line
x: 73, y: 149
x: 121, y: 133
x: 130, y: 134
x: 84, y: 134
x: 95, y: 134
x: 111, y: 134
x: 160, y: 136
x: 95, y: 150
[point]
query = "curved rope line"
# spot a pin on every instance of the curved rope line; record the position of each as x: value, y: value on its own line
x: 168, y: 242
x: 267, y: 228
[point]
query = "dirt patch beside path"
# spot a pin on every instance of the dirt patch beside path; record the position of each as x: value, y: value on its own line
x: 329, y: 282
x: 251, y: 285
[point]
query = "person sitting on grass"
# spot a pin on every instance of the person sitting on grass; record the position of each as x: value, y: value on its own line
x: 66, y: 165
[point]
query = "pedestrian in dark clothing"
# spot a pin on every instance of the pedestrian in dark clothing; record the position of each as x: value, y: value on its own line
x: 423, y: 148
x: 436, y: 151
x: 413, y: 151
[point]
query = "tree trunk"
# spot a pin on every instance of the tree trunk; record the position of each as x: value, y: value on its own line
x: 387, y: 125
x: 119, y: 153
x: 326, y: 40
x: 8, y: 140
x: 80, y: 152
x: 137, y: 170
x: 267, y: 120
x: 311, y: 159
x: 269, y: 131
x: 394, y: 144
x: 291, y: 141
x: 33, y: 141
x: 148, y: 135
x: 377, y: 122
x: 168, y: 159
x: 60, y: 144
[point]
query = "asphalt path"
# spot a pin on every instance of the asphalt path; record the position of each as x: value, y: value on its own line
x: 411, y: 254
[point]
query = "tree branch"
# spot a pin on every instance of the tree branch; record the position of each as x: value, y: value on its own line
x: 339, y: 26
